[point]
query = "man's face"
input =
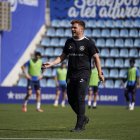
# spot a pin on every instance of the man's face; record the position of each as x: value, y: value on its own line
x: 76, y: 30
x: 37, y: 57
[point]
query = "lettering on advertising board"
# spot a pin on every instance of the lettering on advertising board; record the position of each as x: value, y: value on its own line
x: 105, y: 9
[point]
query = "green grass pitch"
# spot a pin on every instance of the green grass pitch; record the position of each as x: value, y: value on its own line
x: 106, y: 122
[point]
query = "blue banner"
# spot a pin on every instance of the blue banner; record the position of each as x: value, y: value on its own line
x: 106, y: 96
x: 27, y: 18
x: 95, y: 9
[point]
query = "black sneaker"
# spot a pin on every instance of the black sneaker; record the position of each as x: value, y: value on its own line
x: 85, y: 122
x: 78, y: 129
x: 89, y: 107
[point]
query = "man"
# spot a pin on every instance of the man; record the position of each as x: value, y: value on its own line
x: 133, y: 81
x: 93, y: 87
x: 79, y: 50
x: 33, y: 76
x: 60, y: 80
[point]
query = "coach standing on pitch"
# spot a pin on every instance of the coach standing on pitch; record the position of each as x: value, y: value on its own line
x: 79, y: 50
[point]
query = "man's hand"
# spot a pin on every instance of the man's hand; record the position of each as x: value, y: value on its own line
x: 40, y: 77
x: 27, y: 76
x: 101, y: 77
x: 47, y: 65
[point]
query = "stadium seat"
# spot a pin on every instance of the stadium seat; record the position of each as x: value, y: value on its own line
x: 137, y: 43
x: 119, y: 24
x: 105, y: 52
x: 133, y: 53
x: 119, y: 43
x: 54, y: 42
x: 109, y: 62
x: 22, y: 82
x: 62, y: 42
x: 43, y: 83
x: 110, y: 43
x: 55, y: 23
x: 67, y: 33
x: 109, y: 84
x: 114, y: 73
x: 49, y: 52
x: 106, y: 72
x: 60, y: 32
x: 123, y: 73
x: 114, y: 52
x: 136, y: 23
x: 58, y: 51
x: 109, y: 23
x: 124, y: 33
x: 118, y: 84
x: 88, y: 32
x: 51, y: 32
x: 100, y: 23
x: 124, y: 53
x: 54, y: 72
x: 41, y: 50
x: 137, y: 62
x: 44, y: 59
x: 102, y: 62
x: 115, y: 33
x: 119, y: 62
x: 51, y: 83
x: 91, y: 23
x: 101, y: 42
x: 96, y: 33
x: 128, y: 43
x: 45, y: 42
x: 47, y: 72
x: 126, y: 63
x: 134, y: 33
x: 65, y: 23
x: 128, y: 23
x: 105, y: 33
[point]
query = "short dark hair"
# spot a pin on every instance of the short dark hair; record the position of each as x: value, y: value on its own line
x: 37, y: 54
x: 132, y: 61
x: 80, y: 22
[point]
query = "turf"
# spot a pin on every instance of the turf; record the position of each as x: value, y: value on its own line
x: 106, y: 122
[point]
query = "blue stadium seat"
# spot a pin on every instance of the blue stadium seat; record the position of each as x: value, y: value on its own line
x: 100, y: 23
x: 137, y: 43
x: 124, y: 33
x: 49, y: 52
x: 119, y: 43
x: 109, y: 62
x: 96, y: 33
x: 62, y: 42
x: 115, y: 33
x: 60, y: 32
x: 22, y: 82
x: 45, y: 42
x: 118, y: 84
x: 137, y: 62
x: 133, y: 53
x: 44, y: 59
x: 41, y: 50
x: 51, y: 83
x: 124, y: 53
x: 47, y: 72
x: 119, y: 24
x: 123, y: 73
x: 55, y: 23
x: 136, y: 23
x: 126, y: 63
x: 128, y: 23
x: 54, y: 72
x: 119, y: 62
x: 134, y: 33
x: 65, y: 23
x: 101, y: 42
x: 91, y: 23
x: 102, y: 62
x: 105, y: 33
x: 128, y: 43
x: 43, y: 83
x: 51, y: 32
x: 68, y: 33
x: 54, y: 42
x: 114, y: 52
x: 114, y: 73
x: 88, y: 32
x: 106, y: 72
x: 110, y: 43
x: 109, y: 23
x: 109, y: 84
x: 105, y: 52
x: 57, y: 51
